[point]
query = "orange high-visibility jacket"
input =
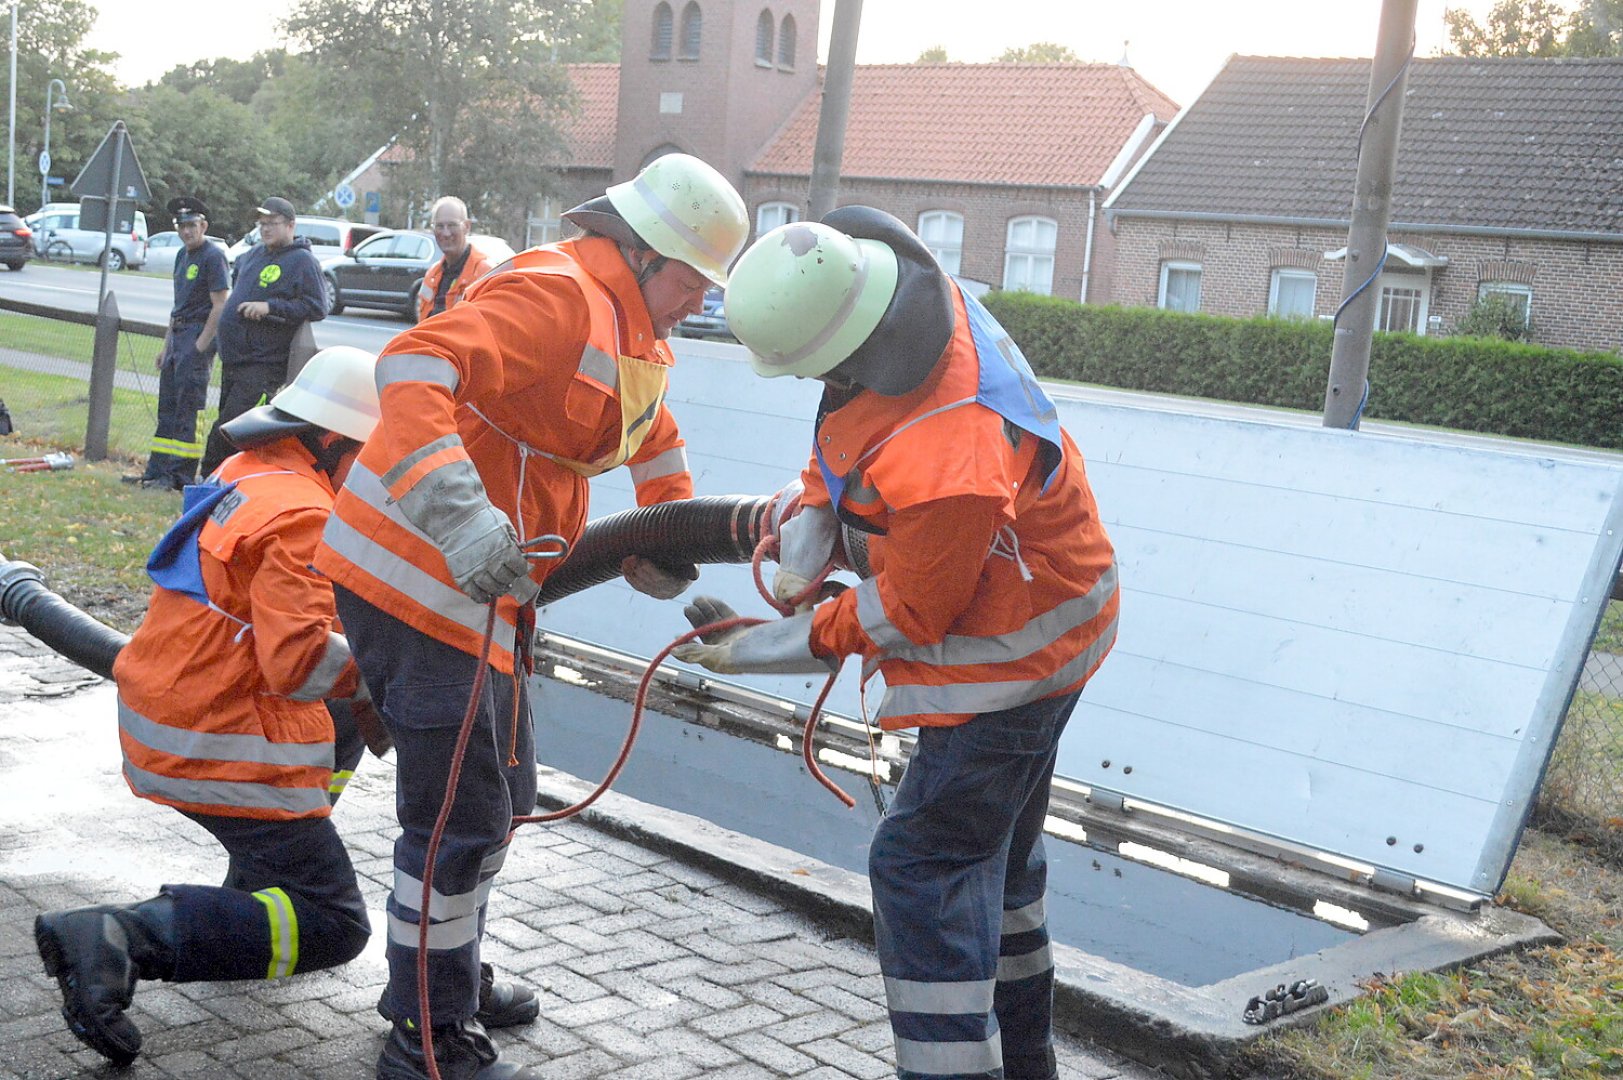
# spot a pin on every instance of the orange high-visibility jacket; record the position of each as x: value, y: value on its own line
x: 520, y: 379
x: 476, y: 267
x: 986, y: 591
x: 220, y: 707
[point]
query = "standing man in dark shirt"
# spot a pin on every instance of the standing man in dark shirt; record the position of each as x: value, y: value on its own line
x: 184, y: 364
x: 278, y: 289
x: 460, y: 265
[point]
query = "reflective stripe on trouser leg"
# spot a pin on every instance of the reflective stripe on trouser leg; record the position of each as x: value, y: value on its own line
x: 944, y: 848
x: 421, y: 688
x: 292, y: 904
x: 182, y: 393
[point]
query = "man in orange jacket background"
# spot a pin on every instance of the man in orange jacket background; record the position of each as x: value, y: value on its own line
x: 221, y: 715
x: 988, y: 599
x: 495, y: 412
x: 460, y: 263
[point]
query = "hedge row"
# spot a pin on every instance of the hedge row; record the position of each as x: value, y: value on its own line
x: 1471, y: 384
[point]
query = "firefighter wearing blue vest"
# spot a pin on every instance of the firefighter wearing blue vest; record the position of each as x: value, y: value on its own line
x: 988, y: 599
x: 202, y: 281
x: 221, y: 713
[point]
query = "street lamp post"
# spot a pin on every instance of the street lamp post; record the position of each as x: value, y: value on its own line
x: 11, y: 123
x: 45, y: 158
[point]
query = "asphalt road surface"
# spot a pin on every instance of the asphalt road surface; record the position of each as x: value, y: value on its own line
x: 148, y: 298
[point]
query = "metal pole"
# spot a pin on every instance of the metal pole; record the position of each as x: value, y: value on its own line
x: 842, y: 62
x: 119, y: 135
x: 1371, y: 213
x: 11, y: 124
x: 44, y: 174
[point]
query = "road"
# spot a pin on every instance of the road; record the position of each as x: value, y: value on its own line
x: 148, y: 297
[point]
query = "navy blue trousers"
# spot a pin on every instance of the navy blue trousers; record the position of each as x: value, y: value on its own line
x: 183, y: 383
x: 959, y: 879
x: 421, y: 687
x: 289, y: 902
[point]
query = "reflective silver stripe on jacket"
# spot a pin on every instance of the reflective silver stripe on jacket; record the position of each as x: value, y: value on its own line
x: 318, y: 685
x: 600, y: 366
x: 428, y: 449
x: 939, y: 998
x: 1026, y: 965
x: 972, y: 698
x: 1022, y: 920
x: 955, y: 649
x: 399, y: 574
x: 410, y: 367
x: 214, y: 746
x: 670, y: 463
x: 950, y: 1058
x: 246, y: 796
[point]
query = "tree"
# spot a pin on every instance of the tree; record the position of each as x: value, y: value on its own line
x: 464, y: 83
x: 1039, y: 52
x: 585, y: 31
x: 935, y: 54
x: 1538, y: 28
x: 238, y: 80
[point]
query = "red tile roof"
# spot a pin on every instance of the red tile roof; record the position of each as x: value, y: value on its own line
x: 1039, y: 124
x: 591, y: 133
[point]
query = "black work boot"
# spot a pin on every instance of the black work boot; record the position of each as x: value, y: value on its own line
x: 96, y: 954
x: 501, y: 1004
x: 463, y: 1051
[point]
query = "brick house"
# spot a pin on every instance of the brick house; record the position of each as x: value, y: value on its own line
x: 1002, y: 168
x: 1509, y: 181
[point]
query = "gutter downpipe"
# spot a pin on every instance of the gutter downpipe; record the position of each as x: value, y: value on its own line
x: 1087, y: 248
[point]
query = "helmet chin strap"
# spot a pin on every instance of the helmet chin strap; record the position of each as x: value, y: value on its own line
x: 647, y: 270
x: 327, y: 447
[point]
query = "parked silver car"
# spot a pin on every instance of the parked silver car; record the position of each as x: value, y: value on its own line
x: 165, y: 247
x: 57, y: 236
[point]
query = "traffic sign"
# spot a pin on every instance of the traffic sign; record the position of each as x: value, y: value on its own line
x: 114, y: 157
x: 45, y: 163
x: 374, y: 202
x: 344, y: 196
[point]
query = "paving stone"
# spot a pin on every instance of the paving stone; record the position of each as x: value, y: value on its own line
x: 848, y: 1059
x: 771, y: 1053
x: 733, y: 1021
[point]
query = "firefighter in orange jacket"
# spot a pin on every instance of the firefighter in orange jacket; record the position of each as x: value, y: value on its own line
x: 988, y: 600
x: 460, y: 263
x: 551, y: 370
x: 221, y: 715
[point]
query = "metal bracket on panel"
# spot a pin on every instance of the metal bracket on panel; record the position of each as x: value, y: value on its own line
x: 692, y: 680
x: 1105, y: 799
x: 1393, y: 882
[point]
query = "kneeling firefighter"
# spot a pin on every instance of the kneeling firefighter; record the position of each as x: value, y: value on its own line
x: 990, y: 600
x: 220, y: 709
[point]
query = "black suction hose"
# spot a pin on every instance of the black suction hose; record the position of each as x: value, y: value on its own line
x: 25, y: 601
x: 712, y: 529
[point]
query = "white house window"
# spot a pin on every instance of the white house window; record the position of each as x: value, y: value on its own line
x: 770, y: 215
x: 1405, y: 300
x: 943, y: 233
x: 1519, y: 295
x: 1291, y: 292
x: 692, y: 31
x: 786, y: 44
x: 764, y: 27
x: 544, y: 224
x: 1028, y: 254
x: 660, y: 49
x: 1180, y: 286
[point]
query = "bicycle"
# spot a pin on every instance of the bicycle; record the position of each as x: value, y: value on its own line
x: 58, y: 251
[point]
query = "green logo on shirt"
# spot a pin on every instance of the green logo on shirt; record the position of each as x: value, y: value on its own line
x: 269, y: 276
x: 191, y: 272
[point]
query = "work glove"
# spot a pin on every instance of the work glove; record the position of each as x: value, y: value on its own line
x: 778, y: 647
x: 484, y: 558
x: 805, y: 546
x: 651, y: 579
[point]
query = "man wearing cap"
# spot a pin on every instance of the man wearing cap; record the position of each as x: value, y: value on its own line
x: 278, y: 289
x: 201, y: 283
x: 551, y: 370
x: 460, y: 264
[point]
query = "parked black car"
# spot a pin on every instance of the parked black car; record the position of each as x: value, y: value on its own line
x: 711, y: 321
x: 386, y: 270
x: 16, y: 239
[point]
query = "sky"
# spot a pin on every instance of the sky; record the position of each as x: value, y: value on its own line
x: 1178, y: 45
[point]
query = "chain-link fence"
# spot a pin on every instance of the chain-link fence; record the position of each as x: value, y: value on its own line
x: 47, y: 358
x: 1584, y: 783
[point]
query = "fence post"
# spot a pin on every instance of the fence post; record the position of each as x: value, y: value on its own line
x: 300, y: 350
x: 103, y: 366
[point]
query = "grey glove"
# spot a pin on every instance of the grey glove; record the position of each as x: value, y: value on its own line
x: 651, y: 579
x: 483, y: 556
x: 779, y: 647
x: 805, y: 545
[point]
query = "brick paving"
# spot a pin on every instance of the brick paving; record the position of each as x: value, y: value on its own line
x: 647, y: 966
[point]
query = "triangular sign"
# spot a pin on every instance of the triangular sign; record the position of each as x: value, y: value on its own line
x: 97, y: 176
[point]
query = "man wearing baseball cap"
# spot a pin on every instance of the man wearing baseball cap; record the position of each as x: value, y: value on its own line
x: 278, y: 289
x: 201, y: 282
